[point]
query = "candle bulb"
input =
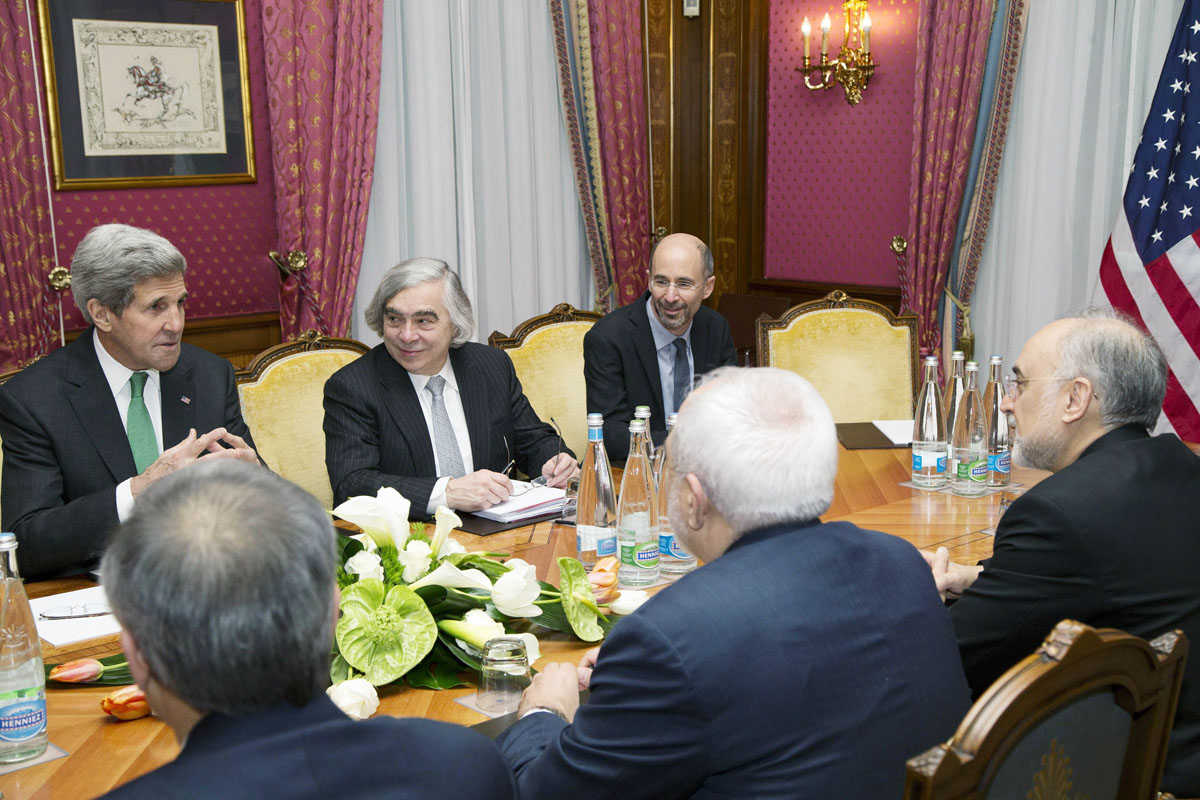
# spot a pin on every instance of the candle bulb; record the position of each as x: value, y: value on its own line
x: 866, y: 33
x: 825, y: 25
x: 806, y: 29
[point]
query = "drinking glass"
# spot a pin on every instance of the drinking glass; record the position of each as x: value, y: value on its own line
x: 503, y: 675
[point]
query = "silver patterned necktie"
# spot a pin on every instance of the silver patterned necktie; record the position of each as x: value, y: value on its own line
x: 444, y: 440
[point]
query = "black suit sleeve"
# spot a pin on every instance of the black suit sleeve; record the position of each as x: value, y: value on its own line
x: 643, y: 714
x: 727, y: 354
x: 52, y: 534
x: 352, y: 446
x: 233, y: 412
x: 606, y: 394
x: 1036, y: 577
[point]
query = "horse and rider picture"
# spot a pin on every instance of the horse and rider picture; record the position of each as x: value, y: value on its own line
x: 156, y: 98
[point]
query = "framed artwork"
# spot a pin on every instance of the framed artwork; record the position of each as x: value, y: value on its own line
x: 147, y: 94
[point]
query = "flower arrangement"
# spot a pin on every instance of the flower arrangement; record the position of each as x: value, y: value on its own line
x: 420, y: 608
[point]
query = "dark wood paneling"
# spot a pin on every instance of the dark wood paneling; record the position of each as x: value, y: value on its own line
x: 238, y: 338
x: 803, y: 291
x: 706, y: 98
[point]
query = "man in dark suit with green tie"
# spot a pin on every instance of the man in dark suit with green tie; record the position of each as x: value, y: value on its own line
x: 90, y: 426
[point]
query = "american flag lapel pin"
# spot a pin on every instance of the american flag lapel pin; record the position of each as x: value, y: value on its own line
x: 187, y: 401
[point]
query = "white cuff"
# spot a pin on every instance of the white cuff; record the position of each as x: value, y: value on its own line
x: 438, y: 496
x: 124, y: 500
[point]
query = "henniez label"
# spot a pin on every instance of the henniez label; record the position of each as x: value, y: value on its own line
x: 22, y: 717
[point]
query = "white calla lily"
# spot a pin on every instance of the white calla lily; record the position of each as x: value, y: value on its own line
x: 416, y: 558
x: 383, y: 517
x: 365, y: 565
x: 452, y: 577
x: 367, y: 542
x: 478, y: 628
x: 356, y: 697
x: 629, y: 601
x: 445, y: 521
x: 450, y: 547
x: 394, y: 508
x: 516, y: 590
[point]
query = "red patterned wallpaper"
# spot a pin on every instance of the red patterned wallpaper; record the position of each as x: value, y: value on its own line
x: 837, y: 175
x: 224, y: 231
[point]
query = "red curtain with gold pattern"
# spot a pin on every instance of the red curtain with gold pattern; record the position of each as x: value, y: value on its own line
x: 952, y: 43
x: 27, y: 308
x: 322, y: 63
x: 616, y: 31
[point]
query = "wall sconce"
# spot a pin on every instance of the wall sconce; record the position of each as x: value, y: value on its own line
x: 853, y: 67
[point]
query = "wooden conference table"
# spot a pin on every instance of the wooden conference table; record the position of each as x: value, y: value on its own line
x: 105, y: 753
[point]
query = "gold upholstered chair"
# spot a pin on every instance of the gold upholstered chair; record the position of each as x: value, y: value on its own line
x: 1087, y: 715
x: 860, y: 356
x: 281, y: 392
x: 547, y: 352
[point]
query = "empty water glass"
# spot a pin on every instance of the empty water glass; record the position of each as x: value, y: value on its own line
x: 503, y: 675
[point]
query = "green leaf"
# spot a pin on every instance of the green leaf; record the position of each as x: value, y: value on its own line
x: 121, y: 676
x: 347, y: 547
x: 554, y: 618
x: 384, y: 635
x: 439, y: 670
x: 445, y: 602
x: 339, y: 669
x: 493, y: 569
x: 576, y: 598
x: 462, y: 655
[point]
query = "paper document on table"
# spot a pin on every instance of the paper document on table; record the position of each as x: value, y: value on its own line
x: 59, y: 632
x: 898, y: 430
x: 527, y: 501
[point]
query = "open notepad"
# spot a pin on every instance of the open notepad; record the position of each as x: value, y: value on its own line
x: 526, y: 501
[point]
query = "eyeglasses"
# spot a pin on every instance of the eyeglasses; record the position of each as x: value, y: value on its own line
x: 75, y: 612
x: 1013, y: 386
x: 521, y: 487
x: 684, y: 286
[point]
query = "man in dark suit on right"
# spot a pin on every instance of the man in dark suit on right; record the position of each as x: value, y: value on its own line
x: 1112, y: 538
x: 804, y: 659
x: 649, y: 352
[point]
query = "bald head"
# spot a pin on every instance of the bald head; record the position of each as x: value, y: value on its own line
x: 681, y: 277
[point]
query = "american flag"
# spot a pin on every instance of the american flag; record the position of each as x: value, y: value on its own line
x: 1151, y: 266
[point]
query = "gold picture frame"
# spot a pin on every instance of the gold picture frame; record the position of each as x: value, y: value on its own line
x: 147, y: 94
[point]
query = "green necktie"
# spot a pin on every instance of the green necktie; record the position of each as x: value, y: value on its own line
x: 138, y: 427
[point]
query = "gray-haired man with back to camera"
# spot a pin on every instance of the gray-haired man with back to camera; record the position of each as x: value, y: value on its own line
x: 223, y: 582
x: 428, y: 412
x: 804, y: 659
x: 90, y: 426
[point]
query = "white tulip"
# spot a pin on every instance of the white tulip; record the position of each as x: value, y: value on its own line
x: 356, y: 697
x: 629, y: 601
x: 416, y: 558
x: 516, y: 590
x: 365, y: 565
x: 452, y: 577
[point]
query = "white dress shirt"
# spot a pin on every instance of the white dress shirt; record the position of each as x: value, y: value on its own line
x: 452, y: 399
x: 664, y: 345
x: 117, y: 375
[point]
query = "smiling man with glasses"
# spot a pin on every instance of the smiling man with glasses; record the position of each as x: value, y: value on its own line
x: 651, y: 351
x: 1112, y: 538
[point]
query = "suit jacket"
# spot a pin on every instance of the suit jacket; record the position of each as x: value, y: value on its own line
x: 807, y: 661
x: 620, y: 366
x: 318, y: 752
x: 1113, y: 541
x: 375, y: 432
x: 65, y: 449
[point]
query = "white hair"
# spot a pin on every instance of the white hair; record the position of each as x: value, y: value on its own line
x: 762, y: 443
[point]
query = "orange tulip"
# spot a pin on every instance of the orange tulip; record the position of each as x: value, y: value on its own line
x: 128, y: 702
x: 603, y: 578
x: 81, y: 670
